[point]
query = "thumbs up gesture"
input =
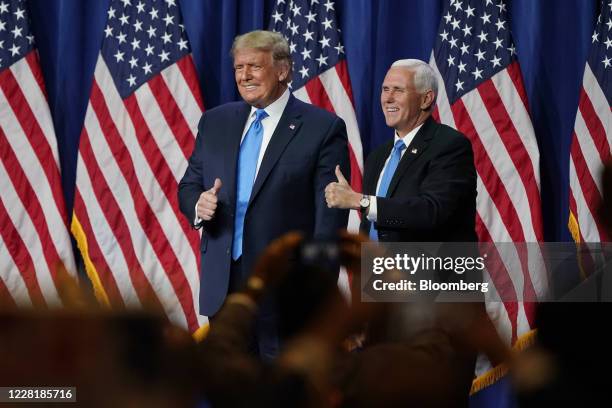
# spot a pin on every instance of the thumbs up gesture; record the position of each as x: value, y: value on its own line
x: 340, y: 177
x: 340, y: 194
x: 207, y: 203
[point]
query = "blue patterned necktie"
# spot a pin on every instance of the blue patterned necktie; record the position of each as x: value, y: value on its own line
x: 247, y: 164
x: 396, y: 155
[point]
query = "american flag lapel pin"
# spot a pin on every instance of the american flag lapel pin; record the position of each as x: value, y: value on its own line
x: 292, y: 126
x: 414, y: 151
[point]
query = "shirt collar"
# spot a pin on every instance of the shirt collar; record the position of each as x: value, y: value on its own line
x: 276, y: 108
x: 407, y: 139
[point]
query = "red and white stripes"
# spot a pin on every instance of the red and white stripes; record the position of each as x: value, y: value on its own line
x: 589, y: 152
x: 332, y: 91
x: 34, y: 239
x: 133, y: 151
x: 495, y: 118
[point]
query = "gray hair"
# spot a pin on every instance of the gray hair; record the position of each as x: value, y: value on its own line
x: 269, y: 41
x: 424, y: 76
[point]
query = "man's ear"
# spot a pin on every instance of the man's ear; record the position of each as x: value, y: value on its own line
x: 427, y: 100
x: 284, y: 72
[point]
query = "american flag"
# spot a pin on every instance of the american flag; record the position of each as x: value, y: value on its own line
x: 320, y: 72
x: 34, y: 239
x: 482, y: 95
x: 592, y: 135
x: 139, y: 130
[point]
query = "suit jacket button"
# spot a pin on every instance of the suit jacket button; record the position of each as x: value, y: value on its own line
x: 227, y: 251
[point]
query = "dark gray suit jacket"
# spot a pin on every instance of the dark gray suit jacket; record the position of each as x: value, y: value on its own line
x: 432, y: 195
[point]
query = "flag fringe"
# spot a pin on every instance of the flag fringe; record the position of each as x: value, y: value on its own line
x: 79, y: 235
x: 201, y: 333
x: 574, y: 227
x: 496, y: 373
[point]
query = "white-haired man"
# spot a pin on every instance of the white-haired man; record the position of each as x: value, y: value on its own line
x: 421, y: 185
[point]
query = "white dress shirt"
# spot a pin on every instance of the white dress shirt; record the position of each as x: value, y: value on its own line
x: 275, y: 111
x: 407, y: 139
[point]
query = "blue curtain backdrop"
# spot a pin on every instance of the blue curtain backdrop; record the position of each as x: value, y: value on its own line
x: 552, y: 39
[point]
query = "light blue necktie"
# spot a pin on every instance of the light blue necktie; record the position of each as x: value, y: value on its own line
x: 247, y: 164
x: 396, y: 155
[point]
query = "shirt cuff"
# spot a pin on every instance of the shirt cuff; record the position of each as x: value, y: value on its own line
x: 372, y: 211
x: 196, y: 219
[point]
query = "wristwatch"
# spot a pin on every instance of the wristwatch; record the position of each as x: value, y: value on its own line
x: 364, y: 204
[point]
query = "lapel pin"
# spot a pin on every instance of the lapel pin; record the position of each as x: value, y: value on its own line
x: 292, y: 126
x: 414, y: 151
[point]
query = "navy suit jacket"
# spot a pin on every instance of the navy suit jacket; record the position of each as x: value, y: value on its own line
x: 432, y: 195
x: 288, y: 193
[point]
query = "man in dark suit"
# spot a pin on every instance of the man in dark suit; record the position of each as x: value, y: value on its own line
x: 420, y: 186
x: 258, y: 170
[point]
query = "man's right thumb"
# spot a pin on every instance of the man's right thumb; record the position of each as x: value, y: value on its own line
x: 217, y: 186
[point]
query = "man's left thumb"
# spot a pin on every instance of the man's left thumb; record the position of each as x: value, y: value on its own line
x: 340, y: 176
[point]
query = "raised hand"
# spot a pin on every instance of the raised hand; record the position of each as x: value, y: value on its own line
x: 207, y: 203
x: 340, y: 194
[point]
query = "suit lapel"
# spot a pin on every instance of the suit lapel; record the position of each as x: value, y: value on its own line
x: 417, y: 147
x: 230, y: 139
x: 378, y: 166
x: 287, y: 127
